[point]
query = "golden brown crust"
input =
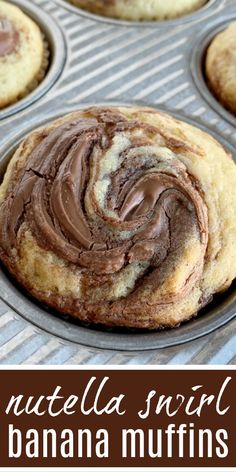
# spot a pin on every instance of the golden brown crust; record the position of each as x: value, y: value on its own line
x: 24, y: 67
x: 153, y: 226
x: 221, y: 67
x: 140, y: 10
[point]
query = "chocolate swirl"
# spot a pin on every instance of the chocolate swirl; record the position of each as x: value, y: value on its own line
x: 105, y: 193
x: 8, y: 37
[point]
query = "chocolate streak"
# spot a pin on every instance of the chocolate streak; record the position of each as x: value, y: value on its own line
x: 155, y: 207
x: 9, y: 37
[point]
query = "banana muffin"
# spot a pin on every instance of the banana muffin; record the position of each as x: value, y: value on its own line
x: 140, y: 10
x: 221, y: 67
x: 120, y: 216
x: 23, y: 54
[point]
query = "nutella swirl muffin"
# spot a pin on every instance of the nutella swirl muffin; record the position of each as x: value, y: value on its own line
x: 23, y: 54
x: 140, y: 10
x: 120, y: 216
x: 221, y: 67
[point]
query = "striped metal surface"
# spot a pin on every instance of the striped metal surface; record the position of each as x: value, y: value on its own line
x: 22, y: 343
x: 108, y: 62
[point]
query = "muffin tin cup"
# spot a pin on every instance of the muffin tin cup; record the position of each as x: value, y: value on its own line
x: 119, y: 62
x: 57, y: 47
x: 215, y: 315
x: 194, y: 16
x: 198, y: 63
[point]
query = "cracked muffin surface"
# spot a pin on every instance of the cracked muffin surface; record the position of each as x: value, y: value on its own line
x: 140, y: 10
x: 120, y: 216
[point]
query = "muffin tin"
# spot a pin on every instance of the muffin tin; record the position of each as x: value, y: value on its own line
x: 105, y: 61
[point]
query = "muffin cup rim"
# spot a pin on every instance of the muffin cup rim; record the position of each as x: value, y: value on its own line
x: 196, y: 15
x: 198, y: 60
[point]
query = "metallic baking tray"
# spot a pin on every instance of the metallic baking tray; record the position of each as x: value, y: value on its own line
x: 97, y: 60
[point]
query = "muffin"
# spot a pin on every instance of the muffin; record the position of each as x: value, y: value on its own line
x: 221, y: 67
x: 120, y: 216
x: 23, y: 54
x: 140, y: 10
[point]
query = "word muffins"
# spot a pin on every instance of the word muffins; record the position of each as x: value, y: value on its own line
x: 120, y: 216
x: 140, y: 10
x: 221, y: 67
x: 23, y: 54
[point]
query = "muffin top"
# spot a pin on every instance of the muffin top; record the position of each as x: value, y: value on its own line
x: 120, y: 216
x: 23, y: 54
x: 221, y: 67
x: 140, y: 10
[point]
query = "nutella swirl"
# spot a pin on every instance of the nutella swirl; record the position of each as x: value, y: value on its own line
x: 102, y: 212
x: 8, y: 37
x: 108, y: 198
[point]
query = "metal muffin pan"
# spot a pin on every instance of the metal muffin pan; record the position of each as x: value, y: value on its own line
x: 198, y: 63
x: 213, y: 316
x: 196, y: 15
x: 57, y: 48
x: 115, y: 62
